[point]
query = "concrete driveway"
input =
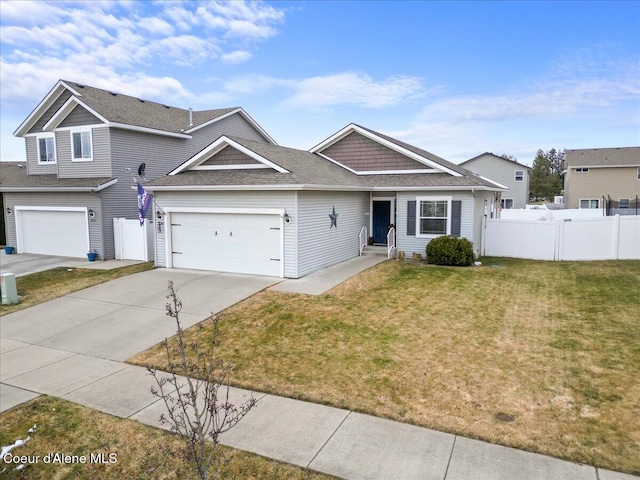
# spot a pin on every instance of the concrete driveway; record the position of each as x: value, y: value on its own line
x: 26, y: 263
x: 123, y: 317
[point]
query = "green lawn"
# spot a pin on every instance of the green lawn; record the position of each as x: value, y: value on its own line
x: 555, y: 346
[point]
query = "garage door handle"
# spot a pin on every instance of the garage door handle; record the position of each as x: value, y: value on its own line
x: 177, y: 253
x: 176, y: 224
x: 275, y: 259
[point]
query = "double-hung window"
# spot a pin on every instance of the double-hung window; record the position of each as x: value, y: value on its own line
x: 434, y: 216
x: 519, y: 176
x: 589, y: 203
x: 46, y: 148
x: 506, y: 203
x: 625, y: 202
x: 81, y: 146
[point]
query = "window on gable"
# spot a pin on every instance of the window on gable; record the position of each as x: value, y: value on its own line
x: 519, y: 175
x: 506, y: 203
x: 589, y: 203
x: 434, y: 216
x: 625, y: 202
x: 81, y: 145
x: 47, y: 149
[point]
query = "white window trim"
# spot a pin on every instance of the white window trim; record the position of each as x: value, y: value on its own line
x: 589, y: 200
x: 81, y: 130
x: 55, y: 155
x: 504, y: 200
x: 418, y: 217
x: 515, y: 176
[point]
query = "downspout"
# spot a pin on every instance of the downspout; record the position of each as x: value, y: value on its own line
x: 190, y: 117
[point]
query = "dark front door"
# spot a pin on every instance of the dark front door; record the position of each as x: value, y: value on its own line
x: 381, y: 216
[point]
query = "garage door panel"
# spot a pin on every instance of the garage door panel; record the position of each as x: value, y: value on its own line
x: 242, y: 243
x: 53, y: 232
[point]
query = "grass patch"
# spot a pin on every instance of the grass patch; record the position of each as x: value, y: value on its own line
x: 41, y: 287
x: 553, y: 345
x: 142, y: 452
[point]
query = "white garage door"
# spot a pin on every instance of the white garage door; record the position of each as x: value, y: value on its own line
x: 239, y: 243
x: 53, y: 232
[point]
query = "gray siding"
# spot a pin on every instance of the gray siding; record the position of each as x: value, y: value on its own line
x: 256, y: 200
x: 230, y: 156
x: 503, y: 171
x: 413, y: 244
x: 68, y: 199
x: 37, y: 127
x: 32, y: 159
x: 100, y: 166
x: 79, y: 116
x: 321, y: 246
x: 233, y: 125
x: 363, y: 154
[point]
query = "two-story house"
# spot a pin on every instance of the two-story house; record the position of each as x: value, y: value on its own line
x: 84, y: 149
x: 595, y: 174
x: 511, y: 174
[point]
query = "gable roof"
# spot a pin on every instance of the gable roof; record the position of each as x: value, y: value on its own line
x: 14, y: 178
x: 603, y: 157
x: 299, y: 169
x: 506, y: 160
x: 422, y: 156
x: 124, y: 111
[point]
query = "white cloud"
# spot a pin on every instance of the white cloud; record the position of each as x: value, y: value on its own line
x: 236, y: 57
x: 43, y: 42
x: 156, y: 26
x: 351, y: 88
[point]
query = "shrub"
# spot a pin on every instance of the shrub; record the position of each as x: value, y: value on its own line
x: 447, y: 250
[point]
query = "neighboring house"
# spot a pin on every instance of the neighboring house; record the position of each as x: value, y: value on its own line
x: 511, y: 174
x: 84, y: 146
x: 252, y: 207
x: 596, y: 173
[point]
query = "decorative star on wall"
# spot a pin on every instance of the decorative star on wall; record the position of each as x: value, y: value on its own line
x: 334, y: 219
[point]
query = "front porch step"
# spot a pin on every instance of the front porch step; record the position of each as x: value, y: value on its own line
x: 375, y: 250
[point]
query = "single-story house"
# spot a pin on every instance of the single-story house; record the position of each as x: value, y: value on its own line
x: 244, y: 206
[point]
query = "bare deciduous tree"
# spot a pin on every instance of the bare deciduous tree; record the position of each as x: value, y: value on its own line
x: 195, y: 393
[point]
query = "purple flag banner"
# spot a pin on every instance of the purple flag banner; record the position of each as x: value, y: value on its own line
x: 144, y: 200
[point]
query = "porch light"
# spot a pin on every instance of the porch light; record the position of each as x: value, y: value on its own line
x: 159, y: 214
x: 9, y: 211
x: 286, y: 217
x: 91, y: 213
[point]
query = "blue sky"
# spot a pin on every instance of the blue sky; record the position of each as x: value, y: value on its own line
x: 454, y: 78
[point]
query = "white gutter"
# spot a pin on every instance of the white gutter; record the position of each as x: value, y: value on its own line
x: 176, y: 188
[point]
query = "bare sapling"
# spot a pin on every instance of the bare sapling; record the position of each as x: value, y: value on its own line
x: 196, y: 393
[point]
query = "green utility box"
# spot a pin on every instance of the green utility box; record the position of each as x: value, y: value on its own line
x: 8, y: 288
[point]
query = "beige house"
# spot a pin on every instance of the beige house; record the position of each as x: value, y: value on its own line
x: 594, y: 174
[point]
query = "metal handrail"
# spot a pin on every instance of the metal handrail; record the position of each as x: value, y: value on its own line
x: 391, y: 241
x: 362, y: 239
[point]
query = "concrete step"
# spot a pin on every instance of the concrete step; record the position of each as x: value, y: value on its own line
x: 375, y: 250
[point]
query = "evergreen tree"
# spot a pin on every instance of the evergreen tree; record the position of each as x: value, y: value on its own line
x: 545, y: 180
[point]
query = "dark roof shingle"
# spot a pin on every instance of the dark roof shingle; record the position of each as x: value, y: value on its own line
x: 13, y: 177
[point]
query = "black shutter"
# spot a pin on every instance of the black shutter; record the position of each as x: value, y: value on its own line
x: 456, y: 217
x: 411, y: 218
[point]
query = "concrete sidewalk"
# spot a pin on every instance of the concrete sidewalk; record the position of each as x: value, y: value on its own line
x: 73, y: 347
x: 27, y: 263
x: 330, y: 440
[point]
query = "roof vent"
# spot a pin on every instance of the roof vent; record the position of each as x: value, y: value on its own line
x: 166, y: 106
x: 79, y: 86
x: 114, y: 94
x: 190, y: 117
x: 140, y: 100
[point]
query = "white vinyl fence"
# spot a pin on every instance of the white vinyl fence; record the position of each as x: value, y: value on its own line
x: 603, y: 238
x: 132, y: 241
